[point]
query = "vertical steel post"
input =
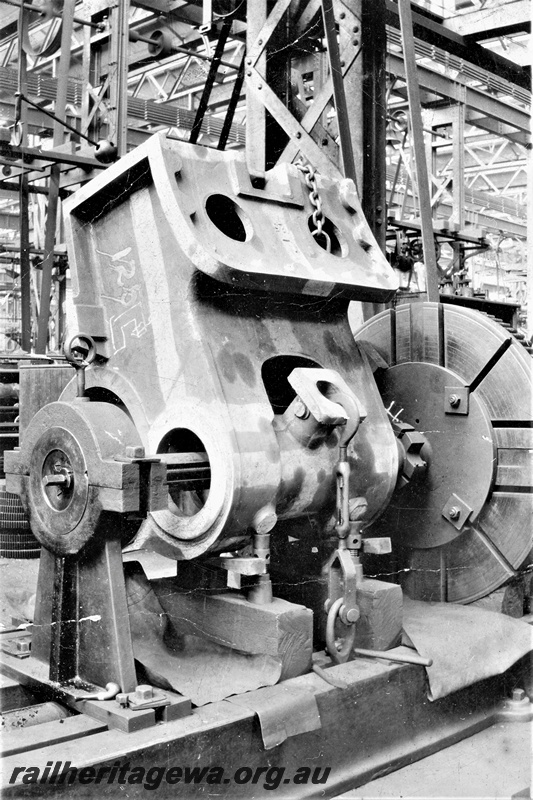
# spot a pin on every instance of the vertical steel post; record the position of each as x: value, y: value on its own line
x: 353, y: 87
x: 118, y: 91
x: 420, y: 163
x: 255, y: 110
x: 339, y: 95
x: 458, y: 164
x: 374, y: 122
x: 24, y: 209
x: 55, y: 174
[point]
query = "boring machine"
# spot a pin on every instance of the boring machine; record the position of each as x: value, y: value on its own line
x: 222, y: 414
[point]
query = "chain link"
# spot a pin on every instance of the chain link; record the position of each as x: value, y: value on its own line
x: 317, y: 217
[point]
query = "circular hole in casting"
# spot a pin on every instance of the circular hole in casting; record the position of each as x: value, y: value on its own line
x: 188, y: 471
x: 228, y: 217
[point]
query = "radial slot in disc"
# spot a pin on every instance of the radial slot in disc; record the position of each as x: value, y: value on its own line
x: 465, y: 383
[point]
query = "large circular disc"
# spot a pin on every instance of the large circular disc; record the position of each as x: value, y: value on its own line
x: 480, y: 462
x: 67, y: 461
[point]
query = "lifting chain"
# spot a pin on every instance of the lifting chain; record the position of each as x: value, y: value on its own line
x: 317, y: 218
x: 344, y: 568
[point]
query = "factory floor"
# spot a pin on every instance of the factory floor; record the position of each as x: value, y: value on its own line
x: 494, y: 764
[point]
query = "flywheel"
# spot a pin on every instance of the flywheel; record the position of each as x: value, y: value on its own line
x: 464, y: 526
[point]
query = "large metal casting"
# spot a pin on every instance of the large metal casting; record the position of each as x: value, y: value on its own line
x: 203, y: 294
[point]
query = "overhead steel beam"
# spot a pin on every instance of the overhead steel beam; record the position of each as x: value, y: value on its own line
x: 472, y: 217
x: 477, y: 100
x: 146, y: 110
x: 494, y: 20
x: 497, y: 127
x: 489, y: 202
x: 429, y: 28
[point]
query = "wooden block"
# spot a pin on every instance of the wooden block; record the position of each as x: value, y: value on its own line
x: 39, y: 385
x: 380, y: 624
x: 278, y: 628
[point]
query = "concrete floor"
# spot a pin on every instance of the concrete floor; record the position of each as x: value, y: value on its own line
x: 492, y: 765
x: 495, y: 763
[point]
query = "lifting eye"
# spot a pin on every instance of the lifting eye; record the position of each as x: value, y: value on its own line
x: 228, y: 217
x: 275, y: 372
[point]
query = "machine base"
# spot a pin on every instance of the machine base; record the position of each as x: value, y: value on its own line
x: 381, y: 721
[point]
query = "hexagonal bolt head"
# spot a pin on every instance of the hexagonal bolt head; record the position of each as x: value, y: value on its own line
x: 122, y: 699
x: 24, y: 646
x: 518, y: 695
x: 144, y: 692
x: 135, y: 452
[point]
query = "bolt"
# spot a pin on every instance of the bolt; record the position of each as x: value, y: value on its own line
x: 249, y: 73
x: 454, y: 512
x: 355, y: 42
x: 300, y: 410
x: 264, y: 520
x: 259, y: 41
x: 352, y: 615
x: 144, y: 692
x: 135, y: 451
x: 23, y: 646
x: 454, y: 400
x: 122, y: 699
x: 343, y: 63
x: 342, y: 15
x: 518, y: 695
x: 356, y: 28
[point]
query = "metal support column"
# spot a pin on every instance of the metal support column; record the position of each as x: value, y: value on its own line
x: 420, y: 164
x: 458, y: 164
x: 374, y: 117
x: 55, y: 174
x: 374, y: 125
x: 24, y: 209
x: 339, y: 96
x: 118, y: 89
x: 255, y: 110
